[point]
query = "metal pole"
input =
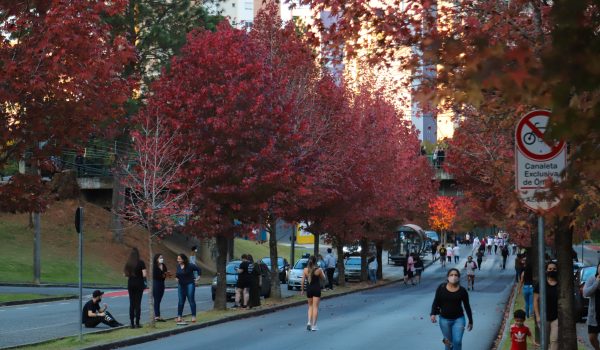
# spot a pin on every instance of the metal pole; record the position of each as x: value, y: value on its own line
x: 542, y: 281
x: 80, y: 274
x: 292, y: 253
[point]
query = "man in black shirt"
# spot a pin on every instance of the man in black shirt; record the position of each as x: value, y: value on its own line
x: 551, y: 305
x: 93, y: 315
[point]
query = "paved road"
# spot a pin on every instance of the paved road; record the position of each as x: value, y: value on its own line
x: 37, y: 322
x: 385, y: 317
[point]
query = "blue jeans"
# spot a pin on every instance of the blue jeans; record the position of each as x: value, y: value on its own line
x: 528, y: 296
x: 158, y: 291
x: 453, y: 330
x: 373, y: 276
x: 186, y: 291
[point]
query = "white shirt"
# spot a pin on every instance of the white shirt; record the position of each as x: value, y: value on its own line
x: 456, y: 251
x: 470, y: 266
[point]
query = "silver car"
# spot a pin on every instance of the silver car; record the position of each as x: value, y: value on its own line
x: 295, y: 274
x: 352, y: 268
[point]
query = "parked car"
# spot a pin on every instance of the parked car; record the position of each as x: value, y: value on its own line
x: 581, y: 303
x: 282, y: 267
x: 295, y: 274
x: 352, y: 268
x: 232, y: 277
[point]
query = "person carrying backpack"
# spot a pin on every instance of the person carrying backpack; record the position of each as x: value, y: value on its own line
x: 470, y: 266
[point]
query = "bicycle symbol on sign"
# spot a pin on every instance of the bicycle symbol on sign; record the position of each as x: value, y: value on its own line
x: 530, y: 137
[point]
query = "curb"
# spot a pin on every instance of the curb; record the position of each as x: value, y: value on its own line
x: 504, y: 326
x: 250, y: 314
x: 61, y: 285
x: 189, y: 328
x: 36, y: 301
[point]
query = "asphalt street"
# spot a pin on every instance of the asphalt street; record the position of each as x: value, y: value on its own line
x: 395, y: 316
x: 23, y: 324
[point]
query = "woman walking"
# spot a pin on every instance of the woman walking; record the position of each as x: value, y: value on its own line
x: 313, y: 274
x: 135, y: 271
x: 450, y: 298
x: 526, y: 286
x: 186, y: 285
x: 159, y: 273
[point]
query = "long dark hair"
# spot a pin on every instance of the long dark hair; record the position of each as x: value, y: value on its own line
x: 155, y: 259
x: 312, y: 266
x: 132, y: 263
x: 185, y: 259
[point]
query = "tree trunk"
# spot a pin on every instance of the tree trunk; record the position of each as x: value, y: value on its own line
x: 275, y: 283
x: 567, y: 337
x: 37, y: 249
x: 220, y: 296
x: 316, y: 245
x: 118, y: 202
x: 150, y: 280
x: 379, y: 247
x: 340, y: 263
x: 364, y: 253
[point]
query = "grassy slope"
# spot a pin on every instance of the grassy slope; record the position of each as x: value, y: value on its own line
x: 25, y: 297
x: 103, y: 259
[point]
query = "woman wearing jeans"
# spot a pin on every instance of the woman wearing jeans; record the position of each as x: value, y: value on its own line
x: 186, y: 285
x: 448, y: 303
x: 526, y: 286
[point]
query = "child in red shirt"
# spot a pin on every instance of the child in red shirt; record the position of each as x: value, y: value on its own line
x: 519, y: 332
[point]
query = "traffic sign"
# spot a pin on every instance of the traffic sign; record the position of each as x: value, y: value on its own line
x: 530, y: 137
x: 537, y: 161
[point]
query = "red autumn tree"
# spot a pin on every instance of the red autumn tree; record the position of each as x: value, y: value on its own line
x: 293, y: 82
x: 220, y: 93
x: 442, y: 215
x: 60, y: 83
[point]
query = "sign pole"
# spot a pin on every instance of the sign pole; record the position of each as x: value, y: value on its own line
x: 79, y: 227
x: 542, y: 281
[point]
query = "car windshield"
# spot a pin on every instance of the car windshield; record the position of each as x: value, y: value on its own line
x: 587, y: 272
x: 300, y: 264
x: 353, y: 262
x: 267, y: 262
x: 231, y: 268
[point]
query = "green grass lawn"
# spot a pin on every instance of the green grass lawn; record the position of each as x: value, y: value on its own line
x: 23, y: 297
x: 57, y: 266
x: 261, y: 250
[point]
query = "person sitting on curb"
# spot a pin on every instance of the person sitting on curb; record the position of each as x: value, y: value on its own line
x: 93, y: 315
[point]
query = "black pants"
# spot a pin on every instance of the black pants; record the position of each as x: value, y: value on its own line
x: 108, y: 320
x: 135, y: 303
x: 479, y: 261
x: 158, y: 291
x: 504, y: 262
x: 330, y: 272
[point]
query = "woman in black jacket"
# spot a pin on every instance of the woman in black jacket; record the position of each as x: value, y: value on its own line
x: 449, y: 300
x: 159, y: 273
x: 135, y: 271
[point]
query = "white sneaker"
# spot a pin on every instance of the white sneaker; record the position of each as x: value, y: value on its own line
x: 314, y: 328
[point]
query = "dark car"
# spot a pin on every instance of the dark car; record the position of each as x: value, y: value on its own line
x: 352, y: 268
x: 581, y: 303
x: 282, y: 267
x: 232, y: 277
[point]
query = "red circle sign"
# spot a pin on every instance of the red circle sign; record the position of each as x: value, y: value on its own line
x: 530, y: 137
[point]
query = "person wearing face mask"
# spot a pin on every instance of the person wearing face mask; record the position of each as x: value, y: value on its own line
x: 159, y: 274
x: 591, y: 290
x: 551, y: 304
x: 450, y: 298
x: 92, y: 314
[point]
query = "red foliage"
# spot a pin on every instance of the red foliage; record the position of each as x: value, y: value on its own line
x: 61, y: 75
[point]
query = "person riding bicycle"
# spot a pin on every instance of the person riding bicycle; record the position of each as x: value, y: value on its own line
x: 470, y: 266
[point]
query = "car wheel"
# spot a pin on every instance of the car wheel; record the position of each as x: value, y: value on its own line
x: 290, y: 287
